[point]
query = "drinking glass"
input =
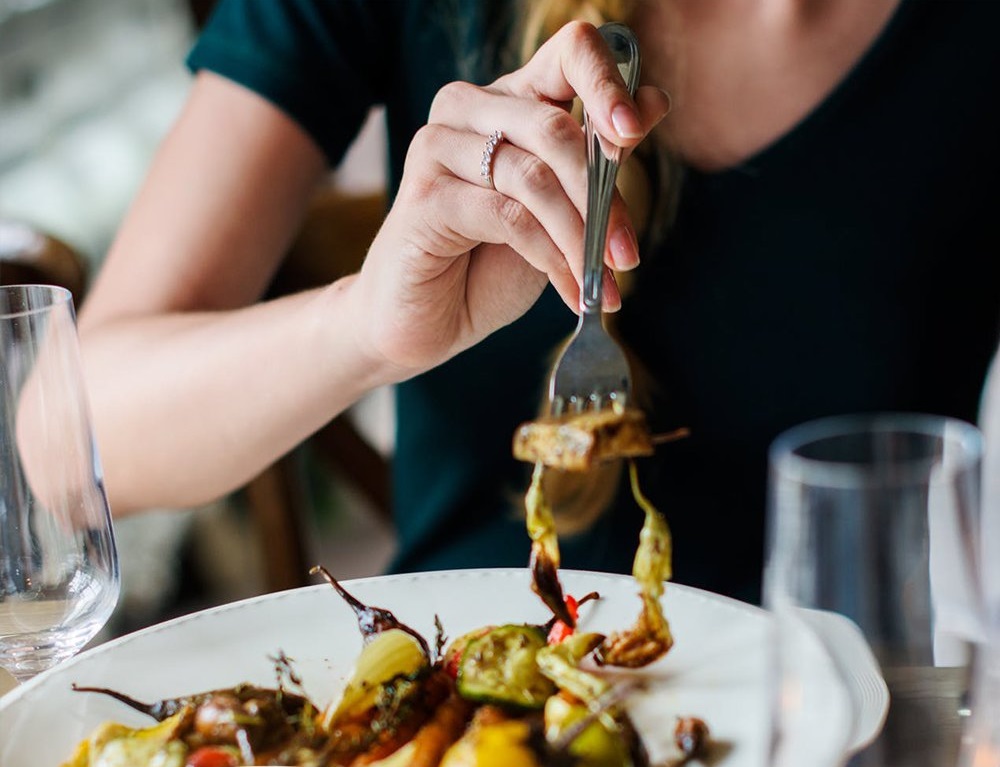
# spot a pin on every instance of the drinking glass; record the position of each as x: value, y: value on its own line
x: 59, y: 577
x: 873, y: 562
x: 981, y: 735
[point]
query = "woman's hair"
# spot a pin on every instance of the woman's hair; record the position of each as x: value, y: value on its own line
x: 578, y: 498
x: 543, y: 18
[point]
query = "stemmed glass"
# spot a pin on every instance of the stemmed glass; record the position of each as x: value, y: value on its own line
x: 873, y: 562
x: 59, y: 576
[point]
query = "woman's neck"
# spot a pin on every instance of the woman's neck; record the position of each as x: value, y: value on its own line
x: 744, y: 72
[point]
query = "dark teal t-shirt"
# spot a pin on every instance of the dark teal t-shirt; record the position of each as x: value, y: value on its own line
x: 853, y: 265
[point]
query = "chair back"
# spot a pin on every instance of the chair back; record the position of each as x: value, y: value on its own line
x: 332, y: 243
x: 29, y: 255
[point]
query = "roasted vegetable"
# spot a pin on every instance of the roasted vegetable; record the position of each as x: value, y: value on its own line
x: 597, y: 745
x: 452, y: 655
x: 691, y: 736
x: 440, y: 732
x: 579, y: 441
x: 544, y: 562
x: 213, y: 756
x: 561, y: 664
x: 650, y: 637
x: 392, y: 654
x: 390, y: 692
x: 494, y: 740
x: 372, y: 621
x: 557, y: 631
x: 499, y: 667
x: 402, y: 707
x: 253, y: 719
x: 498, y: 745
x: 115, y: 745
x: 606, y: 710
x: 399, y: 707
x: 477, y: 703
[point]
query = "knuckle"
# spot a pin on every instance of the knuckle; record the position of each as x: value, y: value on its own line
x: 515, y: 216
x: 450, y: 98
x: 422, y: 172
x: 560, y: 126
x: 423, y: 141
x: 424, y: 188
x: 537, y: 175
x: 608, y: 83
x: 578, y: 33
x: 419, y: 189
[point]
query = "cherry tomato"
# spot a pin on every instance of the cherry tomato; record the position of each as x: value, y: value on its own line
x: 211, y: 756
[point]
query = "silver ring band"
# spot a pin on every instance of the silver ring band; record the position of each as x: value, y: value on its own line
x: 486, y: 166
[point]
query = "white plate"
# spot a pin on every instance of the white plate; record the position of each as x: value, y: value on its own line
x: 862, y: 680
x: 717, y: 669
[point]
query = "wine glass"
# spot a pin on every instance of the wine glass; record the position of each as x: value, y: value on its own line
x: 873, y: 556
x: 59, y: 576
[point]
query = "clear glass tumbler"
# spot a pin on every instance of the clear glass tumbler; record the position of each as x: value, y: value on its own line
x: 873, y: 577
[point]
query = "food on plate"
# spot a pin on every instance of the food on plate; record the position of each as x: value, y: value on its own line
x: 649, y: 638
x: 506, y: 694
x: 264, y: 718
x: 691, y: 736
x: 578, y: 441
x: 544, y: 561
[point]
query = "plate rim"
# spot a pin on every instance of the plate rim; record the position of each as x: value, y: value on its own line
x: 566, y: 574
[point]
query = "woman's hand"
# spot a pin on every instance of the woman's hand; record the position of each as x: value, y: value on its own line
x: 457, y: 258
x: 191, y: 376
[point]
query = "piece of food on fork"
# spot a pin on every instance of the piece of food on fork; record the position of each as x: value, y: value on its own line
x: 580, y: 441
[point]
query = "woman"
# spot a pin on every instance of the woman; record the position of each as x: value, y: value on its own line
x: 818, y: 240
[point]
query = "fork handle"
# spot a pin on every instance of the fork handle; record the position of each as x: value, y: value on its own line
x: 602, y: 169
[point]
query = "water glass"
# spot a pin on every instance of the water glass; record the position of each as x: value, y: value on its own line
x: 59, y: 577
x: 872, y: 564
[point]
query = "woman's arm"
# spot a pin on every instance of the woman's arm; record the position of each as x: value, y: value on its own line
x: 196, y: 387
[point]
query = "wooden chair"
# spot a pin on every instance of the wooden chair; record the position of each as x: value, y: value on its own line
x: 29, y: 255
x: 332, y: 243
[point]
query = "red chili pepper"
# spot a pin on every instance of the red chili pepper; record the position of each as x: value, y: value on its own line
x: 560, y: 630
x: 211, y: 756
x: 451, y: 664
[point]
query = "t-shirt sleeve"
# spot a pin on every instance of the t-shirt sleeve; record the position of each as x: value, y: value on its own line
x: 322, y: 63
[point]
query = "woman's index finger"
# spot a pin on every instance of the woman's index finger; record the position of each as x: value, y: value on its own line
x: 576, y: 62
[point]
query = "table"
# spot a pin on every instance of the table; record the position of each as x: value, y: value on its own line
x: 927, y: 710
x: 6, y: 682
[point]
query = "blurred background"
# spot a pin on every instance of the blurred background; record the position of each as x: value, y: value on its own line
x: 88, y: 88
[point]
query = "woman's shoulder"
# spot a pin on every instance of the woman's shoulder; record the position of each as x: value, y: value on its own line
x: 322, y: 62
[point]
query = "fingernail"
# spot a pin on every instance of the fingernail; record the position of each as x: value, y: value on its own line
x: 612, y: 297
x: 624, y: 248
x: 668, y: 101
x: 626, y: 122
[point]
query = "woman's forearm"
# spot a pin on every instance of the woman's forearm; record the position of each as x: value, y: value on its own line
x: 218, y: 396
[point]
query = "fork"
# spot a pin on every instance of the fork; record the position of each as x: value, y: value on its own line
x: 592, y: 371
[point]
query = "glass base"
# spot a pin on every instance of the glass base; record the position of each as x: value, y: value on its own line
x: 26, y: 655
